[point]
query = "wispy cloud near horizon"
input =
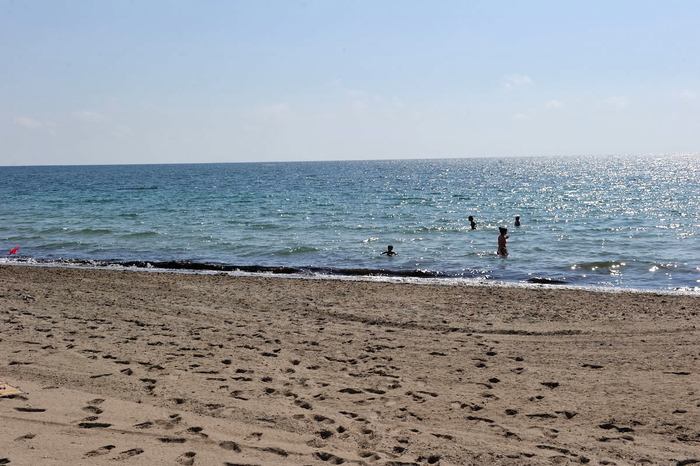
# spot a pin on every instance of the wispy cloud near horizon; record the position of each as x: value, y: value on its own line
x: 29, y: 123
x: 90, y: 116
x: 686, y: 94
x: 618, y: 102
x: 274, y: 112
x: 516, y: 81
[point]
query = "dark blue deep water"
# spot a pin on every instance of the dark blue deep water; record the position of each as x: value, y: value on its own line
x: 610, y: 222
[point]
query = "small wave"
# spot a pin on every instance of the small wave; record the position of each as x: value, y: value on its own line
x: 448, y: 227
x: 57, y: 246
x: 47, y: 231
x: 547, y: 281
x: 91, y: 231
x: 597, y: 266
x: 294, y: 251
x: 54, y: 262
x: 141, y: 234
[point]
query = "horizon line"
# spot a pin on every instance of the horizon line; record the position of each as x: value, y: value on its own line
x: 656, y: 154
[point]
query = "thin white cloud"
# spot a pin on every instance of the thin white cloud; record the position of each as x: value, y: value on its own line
x: 382, y: 107
x: 618, y: 101
x: 274, y: 112
x: 121, y: 131
x: 362, y: 103
x: 521, y: 117
x: 90, y: 116
x: 29, y: 123
x: 398, y: 103
x: 152, y: 107
x: 555, y: 104
x: 516, y: 81
x: 359, y: 100
x: 686, y: 95
x: 358, y: 105
x: 399, y: 107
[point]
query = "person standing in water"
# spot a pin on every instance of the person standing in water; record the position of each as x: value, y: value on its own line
x: 517, y: 220
x: 472, y: 222
x: 390, y: 251
x: 502, y: 249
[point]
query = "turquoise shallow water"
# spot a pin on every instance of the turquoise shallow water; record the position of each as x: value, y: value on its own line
x: 612, y: 222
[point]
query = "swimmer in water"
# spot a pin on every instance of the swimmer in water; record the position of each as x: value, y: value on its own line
x: 502, y: 249
x: 390, y: 251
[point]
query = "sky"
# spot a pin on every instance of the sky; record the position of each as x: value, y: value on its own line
x: 175, y: 81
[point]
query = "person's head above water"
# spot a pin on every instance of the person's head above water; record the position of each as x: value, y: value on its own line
x: 503, y: 230
x: 390, y: 251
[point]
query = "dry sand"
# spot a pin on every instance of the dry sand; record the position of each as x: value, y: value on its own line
x: 141, y: 368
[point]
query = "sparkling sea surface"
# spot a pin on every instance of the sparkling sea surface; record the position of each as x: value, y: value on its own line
x: 615, y: 222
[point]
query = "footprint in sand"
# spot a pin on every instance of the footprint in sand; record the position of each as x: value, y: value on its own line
x: 332, y: 459
x: 276, y: 451
x: 128, y: 454
x: 197, y: 431
x: 172, y: 440
x: 30, y: 410
x: 93, y: 425
x: 92, y: 409
x: 228, y: 445
x: 303, y: 404
x: 186, y: 459
x: 370, y: 455
x: 100, y: 451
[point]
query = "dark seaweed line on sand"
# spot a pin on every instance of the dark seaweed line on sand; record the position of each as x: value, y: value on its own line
x: 186, y: 265
x: 203, y: 266
x: 194, y: 266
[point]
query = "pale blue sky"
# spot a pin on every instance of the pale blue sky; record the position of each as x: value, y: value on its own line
x: 139, y: 81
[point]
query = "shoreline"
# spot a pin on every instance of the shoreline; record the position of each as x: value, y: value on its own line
x: 207, y: 369
x: 416, y: 277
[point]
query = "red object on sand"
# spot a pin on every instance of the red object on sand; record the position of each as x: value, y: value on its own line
x: 13, y: 251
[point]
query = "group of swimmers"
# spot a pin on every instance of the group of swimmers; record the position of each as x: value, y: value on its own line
x: 502, y: 239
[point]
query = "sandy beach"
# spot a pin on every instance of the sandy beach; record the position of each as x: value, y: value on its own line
x: 140, y: 368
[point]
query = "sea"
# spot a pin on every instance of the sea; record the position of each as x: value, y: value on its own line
x: 607, y: 223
